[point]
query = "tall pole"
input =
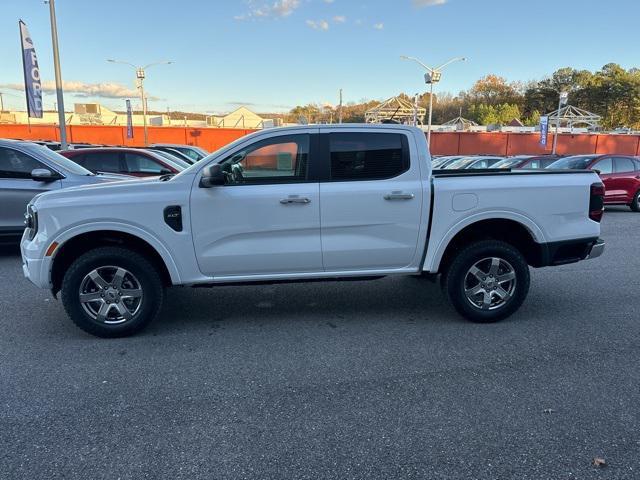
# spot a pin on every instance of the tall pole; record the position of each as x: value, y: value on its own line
x: 555, y: 136
x: 340, y: 109
x: 430, y: 114
x: 1, y: 103
x: 56, y: 66
x: 144, y: 112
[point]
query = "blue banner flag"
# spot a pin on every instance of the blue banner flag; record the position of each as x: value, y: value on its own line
x: 32, y: 85
x: 129, y: 120
x: 544, y: 130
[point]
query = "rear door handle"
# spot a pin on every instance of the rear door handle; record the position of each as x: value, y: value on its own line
x: 399, y: 196
x: 294, y: 199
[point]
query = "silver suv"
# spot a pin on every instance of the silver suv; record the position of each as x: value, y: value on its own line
x: 27, y: 169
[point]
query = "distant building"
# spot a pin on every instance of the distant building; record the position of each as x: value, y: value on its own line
x: 97, y: 114
x: 240, y: 118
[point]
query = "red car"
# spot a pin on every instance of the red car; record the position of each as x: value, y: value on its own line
x: 126, y: 161
x: 619, y: 173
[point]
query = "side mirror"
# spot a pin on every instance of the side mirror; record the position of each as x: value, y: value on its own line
x: 43, y: 175
x: 165, y: 171
x: 212, y: 176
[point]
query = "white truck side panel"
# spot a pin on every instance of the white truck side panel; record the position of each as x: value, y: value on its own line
x: 552, y: 207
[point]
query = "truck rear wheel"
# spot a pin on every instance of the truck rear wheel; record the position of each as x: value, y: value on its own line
x: 112, y: 292
x: 487, y: 281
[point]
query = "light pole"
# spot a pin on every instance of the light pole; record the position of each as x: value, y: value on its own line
x: 58, y: 74
x: 140, y: 76
x: 561, y: 103
x: 433, y: 75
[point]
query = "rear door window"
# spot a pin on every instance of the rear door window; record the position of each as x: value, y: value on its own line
x: 367, y: 156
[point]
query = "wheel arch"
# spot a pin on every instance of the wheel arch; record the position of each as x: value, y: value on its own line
x: 517, y: 230
x: 76, y: 242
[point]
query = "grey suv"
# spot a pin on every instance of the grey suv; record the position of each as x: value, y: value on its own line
x: 27, y: 169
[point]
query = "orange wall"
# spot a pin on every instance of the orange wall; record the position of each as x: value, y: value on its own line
x: 443, y: 143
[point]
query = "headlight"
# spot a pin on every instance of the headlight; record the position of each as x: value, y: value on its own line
x: 31, y: 222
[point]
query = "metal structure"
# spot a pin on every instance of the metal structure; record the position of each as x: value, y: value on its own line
x: 396, y: 110
x: 433, y: 75
x: 571, y: 116
x: 140, y: 76
x: 460, y: 123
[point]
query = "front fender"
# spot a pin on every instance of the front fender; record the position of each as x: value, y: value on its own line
x: 137, y: 231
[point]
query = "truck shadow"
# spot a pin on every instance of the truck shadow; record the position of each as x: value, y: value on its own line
x: 405, y: 299
x: 9, y: 250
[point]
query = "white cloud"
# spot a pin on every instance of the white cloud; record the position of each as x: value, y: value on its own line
x: 378, y: 26
x: 339, y: 19
x: 262, y: 9
x: 428, y: 3
x: 82, y: 89
x: 318, y: 24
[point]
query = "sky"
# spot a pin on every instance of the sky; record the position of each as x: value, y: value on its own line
x: 272, y: 55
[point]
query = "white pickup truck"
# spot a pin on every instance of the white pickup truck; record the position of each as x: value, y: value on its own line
x: 306, y: 204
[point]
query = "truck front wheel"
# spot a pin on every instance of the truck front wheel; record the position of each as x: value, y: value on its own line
x: 487, y: 281
x: 112, y: 292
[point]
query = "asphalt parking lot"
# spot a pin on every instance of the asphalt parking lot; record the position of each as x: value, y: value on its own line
x: 341, y: 380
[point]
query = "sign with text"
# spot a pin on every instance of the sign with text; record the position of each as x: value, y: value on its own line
x: 544, y: 130
x: 32, y: 83
x: 129, y: 120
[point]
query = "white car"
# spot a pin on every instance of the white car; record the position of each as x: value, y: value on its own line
x: 303, y: 204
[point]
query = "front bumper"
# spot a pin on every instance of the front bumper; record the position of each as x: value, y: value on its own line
x: 35, y: 266
x: 597, y: 249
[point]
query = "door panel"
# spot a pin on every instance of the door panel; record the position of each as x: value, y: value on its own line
x: 17, y: 188
x: 370, y: 224
x: 266, y: 218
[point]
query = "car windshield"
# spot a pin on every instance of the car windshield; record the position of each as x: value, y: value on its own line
x: 172, y: 159
x: 577, y: 162
x: 63, y: 162
x: 462, y: 163
x: 507, y: 162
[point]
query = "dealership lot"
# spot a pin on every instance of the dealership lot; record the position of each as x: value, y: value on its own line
x: 338, y: 380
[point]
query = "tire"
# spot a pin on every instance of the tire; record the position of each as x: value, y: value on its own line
x: 635, y: 204
x: 475, y: 270
x: 121, y: 300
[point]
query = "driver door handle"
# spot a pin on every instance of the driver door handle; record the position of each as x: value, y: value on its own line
x: 399, y: 196
x: 294, y: 199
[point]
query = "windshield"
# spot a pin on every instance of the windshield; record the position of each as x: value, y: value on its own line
x: 172, y: 159
x: 60, y: 161
x: 462, y: 163
x: 507, y: 162
x: 577, y: 162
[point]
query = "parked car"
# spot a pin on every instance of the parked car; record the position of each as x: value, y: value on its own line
x: 191, y: 151
x: 175, y: 153
x: 27, y: 169
x: 129, y: 161
x: 251, y: 213
x: 620, y: 175
x: 55, y: 146
x: 173, y: 157
x: 441, y: 162
x: 526, y: 161
x: 473, y: 163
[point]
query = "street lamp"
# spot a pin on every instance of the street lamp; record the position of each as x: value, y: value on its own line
x: 140, y: 76
x: 433, y: 75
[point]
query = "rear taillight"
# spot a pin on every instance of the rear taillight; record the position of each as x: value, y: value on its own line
x: 596, y: 202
